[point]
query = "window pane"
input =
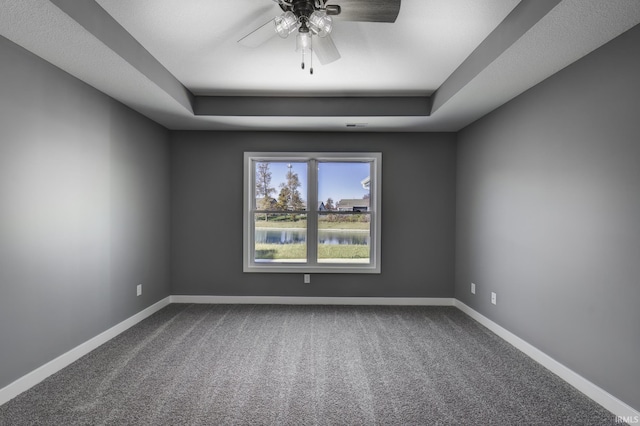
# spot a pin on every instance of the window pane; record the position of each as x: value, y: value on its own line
x: 343, y: 186
x: 280, y: 186
x: 344, y: 238
x: 280, y: 237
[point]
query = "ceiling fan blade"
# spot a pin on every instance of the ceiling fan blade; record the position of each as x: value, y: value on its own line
x: 367, y: 10
x: 259, y: 36
x: 325, y: 50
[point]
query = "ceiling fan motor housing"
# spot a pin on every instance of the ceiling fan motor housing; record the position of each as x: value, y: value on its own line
x: 303, y: 8
x: 306, y: 8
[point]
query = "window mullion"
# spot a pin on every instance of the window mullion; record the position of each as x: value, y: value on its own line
x: 312, y: 213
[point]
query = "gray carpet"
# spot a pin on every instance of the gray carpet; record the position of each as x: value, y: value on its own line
x: 304, y: 365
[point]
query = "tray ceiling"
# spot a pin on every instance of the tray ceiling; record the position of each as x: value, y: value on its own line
x: 179, y: 63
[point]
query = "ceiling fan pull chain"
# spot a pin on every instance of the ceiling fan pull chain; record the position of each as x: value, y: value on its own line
x: 311, y: 54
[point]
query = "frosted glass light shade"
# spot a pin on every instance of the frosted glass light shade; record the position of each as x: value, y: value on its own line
x: 320, y: 23
x: 303, y: 42
x: 286, y: 24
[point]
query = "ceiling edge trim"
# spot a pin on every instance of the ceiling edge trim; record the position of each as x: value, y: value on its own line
x: 519, y: 21
x: 90, y: 15
x: 262, y: 106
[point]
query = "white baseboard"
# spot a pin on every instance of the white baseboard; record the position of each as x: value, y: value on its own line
x: 599, y: 395
x: 36, y: 376
x: 282, y: 300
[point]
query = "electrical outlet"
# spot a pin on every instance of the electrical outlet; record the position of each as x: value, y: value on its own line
x: 473, y: 288
x: 139, y: 290
x: 494, y: 298
x: 307, y: 278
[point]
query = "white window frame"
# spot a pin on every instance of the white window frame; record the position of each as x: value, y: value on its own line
x: 312, y: 159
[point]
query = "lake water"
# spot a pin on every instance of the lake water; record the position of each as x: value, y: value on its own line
x: 326, y: 236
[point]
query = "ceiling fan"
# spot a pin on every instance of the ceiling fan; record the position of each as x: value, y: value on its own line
x: 314, y: 18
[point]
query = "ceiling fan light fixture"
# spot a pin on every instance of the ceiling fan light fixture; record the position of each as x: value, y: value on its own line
x: 320, y: 24
x: 286, y: 24
x: 303, y: 42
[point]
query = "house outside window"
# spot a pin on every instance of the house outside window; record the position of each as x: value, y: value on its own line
x: 312, y: 212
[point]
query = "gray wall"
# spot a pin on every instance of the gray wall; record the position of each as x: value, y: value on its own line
x: 548, y: 216
x: 418, y: 215
x: 84, y: 212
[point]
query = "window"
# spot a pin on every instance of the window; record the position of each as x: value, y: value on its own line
x: 312, y: 212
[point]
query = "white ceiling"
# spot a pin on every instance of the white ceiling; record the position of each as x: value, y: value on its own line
x: 196, y: 41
